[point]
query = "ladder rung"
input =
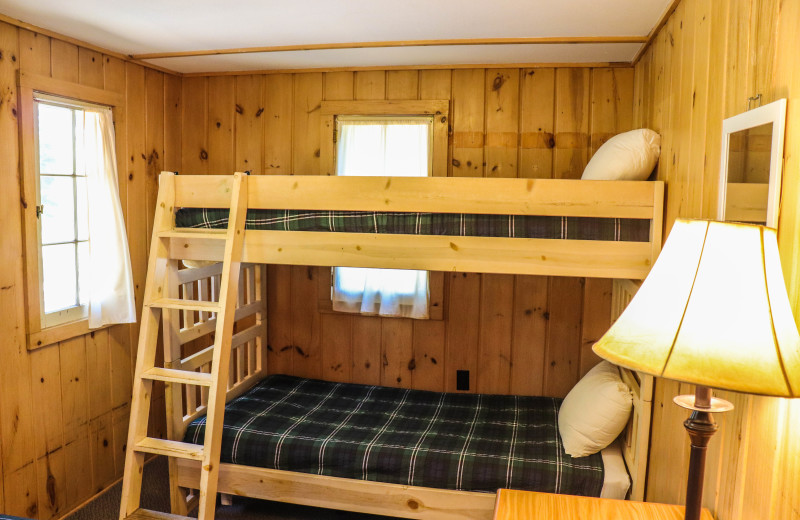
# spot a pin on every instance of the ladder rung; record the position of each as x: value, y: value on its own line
x: 147, y: 514
x: 205, y: 234
x: 170, y: 375
x: 184, y: 305
x: 183, y: 450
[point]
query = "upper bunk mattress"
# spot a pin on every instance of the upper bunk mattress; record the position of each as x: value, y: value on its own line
x: 449, y: 224
x: 470, y: 442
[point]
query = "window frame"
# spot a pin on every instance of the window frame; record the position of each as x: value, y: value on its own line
x: 440, y: 110
x: 30, y: 87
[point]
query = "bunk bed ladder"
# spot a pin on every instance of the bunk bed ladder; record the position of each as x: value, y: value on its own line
x: 159, y: 296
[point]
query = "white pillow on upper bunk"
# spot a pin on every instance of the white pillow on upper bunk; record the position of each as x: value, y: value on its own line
x: 595, y: 411
x: 629, y: 156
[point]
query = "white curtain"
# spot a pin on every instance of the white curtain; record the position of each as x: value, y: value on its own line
x: 111, y: 283
x: 399, y: 147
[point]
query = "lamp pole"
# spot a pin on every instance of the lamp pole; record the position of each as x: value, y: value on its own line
x: 700, y: 427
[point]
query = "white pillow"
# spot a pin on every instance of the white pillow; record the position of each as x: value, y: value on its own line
x: 630, y: 156
x: 595, y: 411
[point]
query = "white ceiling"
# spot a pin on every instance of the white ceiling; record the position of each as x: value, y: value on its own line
x: 156, y: 26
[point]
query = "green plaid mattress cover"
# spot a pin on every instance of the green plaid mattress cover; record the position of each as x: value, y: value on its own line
x: 450, y: 224
x: 470, y: 442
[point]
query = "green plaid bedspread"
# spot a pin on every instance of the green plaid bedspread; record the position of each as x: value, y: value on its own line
x: 450, y: 224
x: 469, y: 442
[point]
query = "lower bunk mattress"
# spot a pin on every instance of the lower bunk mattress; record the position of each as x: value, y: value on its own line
x: 470, y: 442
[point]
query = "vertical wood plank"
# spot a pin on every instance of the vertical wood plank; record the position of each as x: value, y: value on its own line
x: 16, y: 414
x: 34, y: 52
x: 366, y: 341
x: 172, y: 123
x: 428, y: 355
x: 370, y: 84
x: 494, y: 351
x: 305, y: 319
x: 249, y: 124
x: 462, y: 341
x: 278, y: 123
x: 402, y: 84
x: 502, y: 122
x: 596, y: 319
x: 563, y: 335
x: 572, y: 123
x: 337, y: 357
x: 307, y: 103
x: 537, y: 100
x: 467, y: 120
x: 64, y: 61
x: 396, y: 352
x: 530, y: 335
x: 221, y: 109
x: 90, y: 67
x: 436, y: 84
x: 279, y: 320
x: 611, y: 104
x: 194, y: 147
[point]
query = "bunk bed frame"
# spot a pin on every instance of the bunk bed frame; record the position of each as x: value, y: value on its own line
x: 211, y: 299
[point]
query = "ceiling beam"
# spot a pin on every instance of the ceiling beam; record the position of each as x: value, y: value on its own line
x: 416, y: 67
x: 398, y: 43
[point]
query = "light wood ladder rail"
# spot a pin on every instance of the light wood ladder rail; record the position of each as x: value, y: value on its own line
x: 160, y: 295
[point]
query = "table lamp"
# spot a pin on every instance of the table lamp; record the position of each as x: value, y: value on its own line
x: 713, y: 312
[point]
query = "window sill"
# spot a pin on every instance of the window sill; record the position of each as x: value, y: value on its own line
x: 52, y: 335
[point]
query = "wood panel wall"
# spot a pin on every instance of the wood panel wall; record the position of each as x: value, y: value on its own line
x: 64, y: 408
x: 709, y: 58
x: 521, y: 334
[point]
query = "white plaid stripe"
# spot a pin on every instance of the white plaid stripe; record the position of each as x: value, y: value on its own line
x: 510, y: 467
x: 460, y: 473
x: 372, y: 443
x: 413, y: 465
x: 559, y: 450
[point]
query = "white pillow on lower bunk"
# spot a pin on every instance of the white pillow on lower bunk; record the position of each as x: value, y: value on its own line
x: 595, y: 411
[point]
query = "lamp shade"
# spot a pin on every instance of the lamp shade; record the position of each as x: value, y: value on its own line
x: 714, y: 312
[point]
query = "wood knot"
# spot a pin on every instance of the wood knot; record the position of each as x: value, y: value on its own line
x: 412, y: 504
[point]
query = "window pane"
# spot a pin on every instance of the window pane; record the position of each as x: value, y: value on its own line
x: 55, y: 140
x: 58, y: 219
x: 83, y: 272
x: 82, y: 209
x: 80, y: 152
x: 58, y: 272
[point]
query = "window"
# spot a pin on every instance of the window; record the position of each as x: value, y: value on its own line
x: 62, y: 210
x: 382, y: 146
x: 77, y: 270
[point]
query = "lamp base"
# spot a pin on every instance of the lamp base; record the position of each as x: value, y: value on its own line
x: 701, y: 427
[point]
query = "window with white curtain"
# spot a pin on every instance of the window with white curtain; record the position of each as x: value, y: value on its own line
x: 382, y: 146
x: 85, y: 270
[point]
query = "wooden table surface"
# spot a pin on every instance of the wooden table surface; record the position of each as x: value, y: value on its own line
x: 528, y: 505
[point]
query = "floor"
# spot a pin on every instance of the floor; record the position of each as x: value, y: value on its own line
x: 155, y: 495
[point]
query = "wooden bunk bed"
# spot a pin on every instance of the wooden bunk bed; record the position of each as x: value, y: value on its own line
x: 228, y: 299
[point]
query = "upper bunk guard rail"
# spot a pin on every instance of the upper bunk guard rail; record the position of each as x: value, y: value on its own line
x: 548, y: 197
x: 162, y: 299
x: 544, y: 197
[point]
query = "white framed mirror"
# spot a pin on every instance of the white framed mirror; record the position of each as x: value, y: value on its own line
x: 751, y: 164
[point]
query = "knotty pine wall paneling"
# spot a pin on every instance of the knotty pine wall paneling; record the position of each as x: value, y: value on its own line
x: 703, y: 65
x: 64, y: 408
x: 521, y: 334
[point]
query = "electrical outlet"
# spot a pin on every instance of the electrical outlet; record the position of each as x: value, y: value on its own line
x: 462, y: 379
